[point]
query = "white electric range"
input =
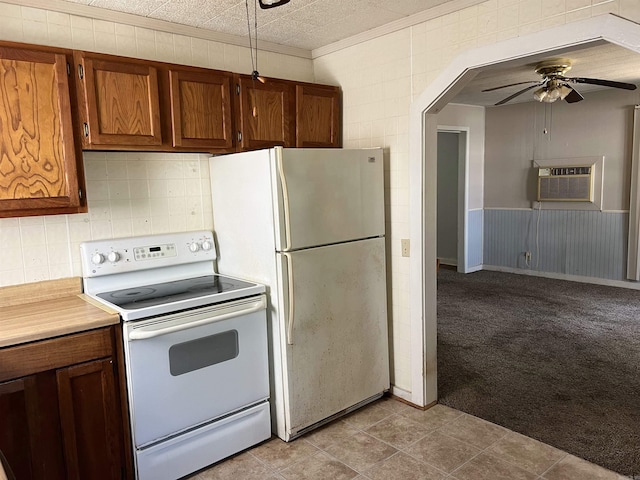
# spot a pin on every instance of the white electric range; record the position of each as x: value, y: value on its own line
x: 195, y: 349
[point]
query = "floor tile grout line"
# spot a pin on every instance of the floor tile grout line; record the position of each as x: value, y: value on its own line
x: 555, y: 463
x: 403, y: 449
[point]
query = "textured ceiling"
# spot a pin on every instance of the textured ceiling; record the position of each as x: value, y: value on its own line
x: 311, y: 24
x: 307, y: 24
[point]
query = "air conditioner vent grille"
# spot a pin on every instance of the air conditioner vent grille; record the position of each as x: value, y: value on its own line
x: 565, y: 184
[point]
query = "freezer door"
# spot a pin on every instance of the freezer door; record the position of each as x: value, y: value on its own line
x: 336, y: 342
x: 327, y: 196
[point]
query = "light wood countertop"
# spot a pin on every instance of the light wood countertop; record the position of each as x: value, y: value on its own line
x: 47, y: 316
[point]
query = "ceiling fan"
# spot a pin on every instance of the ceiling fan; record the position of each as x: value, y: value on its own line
x: 555, y: 86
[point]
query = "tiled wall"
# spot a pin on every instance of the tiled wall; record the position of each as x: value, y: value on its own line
x: 45, y: 27
x: 128, y: 193
x: 381, y: 77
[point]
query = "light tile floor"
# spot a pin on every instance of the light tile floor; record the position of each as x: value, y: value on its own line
x: 390, y: 440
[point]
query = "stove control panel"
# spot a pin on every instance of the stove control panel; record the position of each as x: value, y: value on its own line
x: 106, y: 257
x: 155, y: 251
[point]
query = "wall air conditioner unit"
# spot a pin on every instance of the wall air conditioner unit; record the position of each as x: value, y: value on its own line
x: 565, y: 184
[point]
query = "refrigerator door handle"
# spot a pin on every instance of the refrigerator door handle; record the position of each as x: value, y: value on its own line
x: 291, y: 301
x: 285, y: 201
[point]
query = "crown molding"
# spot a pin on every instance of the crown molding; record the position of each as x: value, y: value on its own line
x: 154, y: 24
x: 402, y: 23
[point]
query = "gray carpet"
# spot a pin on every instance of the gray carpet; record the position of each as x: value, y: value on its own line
x: 554, y: 360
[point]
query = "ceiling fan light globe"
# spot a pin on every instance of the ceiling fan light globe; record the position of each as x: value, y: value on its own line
x: 553, y: 94
x: 540, y: 94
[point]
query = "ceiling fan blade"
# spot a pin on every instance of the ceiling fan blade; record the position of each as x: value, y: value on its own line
x: 604, y: 83
x: 511, y: 97
x: 573, y: 96
x: 510, y: 85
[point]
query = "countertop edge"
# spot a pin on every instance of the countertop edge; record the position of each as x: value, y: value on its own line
x: 46, y: 319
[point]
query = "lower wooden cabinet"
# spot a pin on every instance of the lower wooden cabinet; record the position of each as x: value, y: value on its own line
x: 62, y: 414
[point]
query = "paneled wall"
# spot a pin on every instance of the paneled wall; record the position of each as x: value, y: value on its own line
x: 475, y: 238
x: 584, y: 243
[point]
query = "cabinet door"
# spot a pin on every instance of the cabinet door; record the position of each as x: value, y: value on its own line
x: 30, y: 427
x: 266, y: 113
x: 38, y: 168
x: 91, y: 425
x: 120, y: 100
x: 317, y: 116
x: 201, y: 109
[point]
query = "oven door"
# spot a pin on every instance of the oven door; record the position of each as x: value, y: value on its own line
x: 186, y: 369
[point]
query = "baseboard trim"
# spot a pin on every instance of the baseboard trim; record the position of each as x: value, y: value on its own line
x: 401, y: 394
x: 564, y: 276
x: 477, y: 268
x: 405, y: 397
x: 448, y: 261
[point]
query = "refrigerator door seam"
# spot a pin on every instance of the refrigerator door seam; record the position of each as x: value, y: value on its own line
x: 291, y: 297
x: 285, y: 199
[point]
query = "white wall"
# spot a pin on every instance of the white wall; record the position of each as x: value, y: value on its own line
x: 599, y: 125
x: 471, y: 117
x: 380, y: 77
x: 128, y: 193
x: 563, y: 241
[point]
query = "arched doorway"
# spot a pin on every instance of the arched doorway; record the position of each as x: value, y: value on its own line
x: 423, y: 164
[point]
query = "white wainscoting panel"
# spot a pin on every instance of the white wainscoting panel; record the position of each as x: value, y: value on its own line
x: 582, y: 243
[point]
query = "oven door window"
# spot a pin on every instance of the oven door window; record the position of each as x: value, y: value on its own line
x: 193, y: 355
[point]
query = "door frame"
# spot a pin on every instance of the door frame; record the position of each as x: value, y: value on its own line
x: 463, y: 194
x: 423, y: 128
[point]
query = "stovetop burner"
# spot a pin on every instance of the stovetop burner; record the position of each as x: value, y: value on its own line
x: 168, y: 292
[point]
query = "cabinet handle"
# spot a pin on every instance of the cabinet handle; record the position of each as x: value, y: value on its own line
x: 237, y: 89
x: 80, y: 71
x: 239, y: 136
x: 86, y: 129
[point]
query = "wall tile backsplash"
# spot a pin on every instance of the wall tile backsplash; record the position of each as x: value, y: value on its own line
x: 128, y: 194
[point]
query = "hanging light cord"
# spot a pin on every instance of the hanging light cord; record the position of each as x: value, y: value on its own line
x: 253, y: 63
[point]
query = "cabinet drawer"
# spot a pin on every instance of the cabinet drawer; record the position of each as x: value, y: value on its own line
x: 30, y: 358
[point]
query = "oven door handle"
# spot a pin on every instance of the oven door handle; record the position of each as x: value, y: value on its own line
x: 143, y: 334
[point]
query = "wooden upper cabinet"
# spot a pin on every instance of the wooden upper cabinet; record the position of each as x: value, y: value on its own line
x: 265, y: 113
x: 40, y: 170
x: 121, y: 102
x: 201, y: 109
x: 317, y: 116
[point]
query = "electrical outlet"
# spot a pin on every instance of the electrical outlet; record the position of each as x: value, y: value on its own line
x: 404, y: 243
x: 527, y: 256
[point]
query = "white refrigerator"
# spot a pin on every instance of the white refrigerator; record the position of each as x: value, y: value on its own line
x: 309, y: 224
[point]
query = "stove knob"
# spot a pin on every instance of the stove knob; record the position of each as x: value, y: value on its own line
x: 113, y: 256
x: 207, y: 245
x: 194, y: 247
x: 97, y: 259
